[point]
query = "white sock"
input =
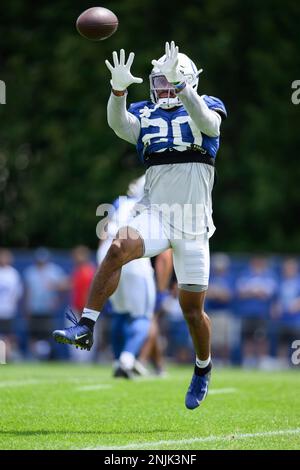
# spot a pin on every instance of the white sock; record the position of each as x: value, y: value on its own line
x: 127, y: 360
x: 202, y: 364
x: 91, y: 314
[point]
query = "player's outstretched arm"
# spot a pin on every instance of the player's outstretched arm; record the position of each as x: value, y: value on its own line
x: 121, y: 77
x: 170, y: 66
x: 205, y: 119
x: 124, y: 124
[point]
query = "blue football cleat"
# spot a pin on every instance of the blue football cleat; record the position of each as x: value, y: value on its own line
x: 197, y: 391
x: 79, y: 335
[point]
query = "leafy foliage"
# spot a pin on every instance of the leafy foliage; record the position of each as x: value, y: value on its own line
x: 59, y: 160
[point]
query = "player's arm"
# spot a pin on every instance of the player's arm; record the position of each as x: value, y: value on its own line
x: 164, y: 269
x: 207, y: 120
x: 124, y: 124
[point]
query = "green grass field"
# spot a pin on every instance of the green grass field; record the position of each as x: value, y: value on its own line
x: 62, y: 406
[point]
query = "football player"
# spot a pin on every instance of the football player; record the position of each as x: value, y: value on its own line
x: 133, y: 301
x: 176, y: 134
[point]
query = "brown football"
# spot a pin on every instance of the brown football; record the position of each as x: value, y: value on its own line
x: 97, y: 23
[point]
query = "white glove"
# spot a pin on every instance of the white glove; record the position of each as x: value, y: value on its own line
x: 170, y: 68
x: 121, y: 76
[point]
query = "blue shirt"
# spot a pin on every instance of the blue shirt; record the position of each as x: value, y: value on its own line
x: 288, y: 293
x: 252, y: 303
x: 224, y: 282
x: 163, y: 129
x: 41, y: 286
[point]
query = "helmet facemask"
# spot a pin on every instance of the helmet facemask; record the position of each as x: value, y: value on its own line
x: 159, y: 83
x: 162, y: 92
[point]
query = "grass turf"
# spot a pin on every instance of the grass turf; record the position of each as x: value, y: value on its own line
x: 66, y: 406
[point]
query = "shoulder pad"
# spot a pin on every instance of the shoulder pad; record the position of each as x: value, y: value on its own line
x: 216, y: 104
x: 135, y: 108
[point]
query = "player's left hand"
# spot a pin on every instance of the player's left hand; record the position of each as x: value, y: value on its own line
x: 169, y: 68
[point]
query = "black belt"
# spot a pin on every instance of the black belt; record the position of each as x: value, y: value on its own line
x: 167, y: 157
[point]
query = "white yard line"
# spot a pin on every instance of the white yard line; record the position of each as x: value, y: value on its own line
x: 90, y: 388
x: 230, y: 437
x: 220, y: 391
x: 19, y: 383
x: 26, y: 382
x: 83, y: 388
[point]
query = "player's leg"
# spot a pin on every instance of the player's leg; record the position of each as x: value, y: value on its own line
x: 142, y: 237
x: 192, y: 305
x: 191, y: 263
x: 106, y: 280
x: 118, y: 340
x: 136, y: 332
x: 152, y: 350
x: 135, y: 295
x: 127, y: 246
x: 117, y: 335
x: 7, y: 337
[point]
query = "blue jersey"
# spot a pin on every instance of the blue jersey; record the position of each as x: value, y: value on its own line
x: 163, y: 129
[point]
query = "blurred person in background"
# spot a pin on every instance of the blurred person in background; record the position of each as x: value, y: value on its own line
x: 45, y: 283
x: 81, y: 277
x: 153, y: 349
x: 134, y: 299
x: 288, y: 311
x: 219, y: 300
x: 11, y: 291
x: 256, y: 291
x: 179, y: 341
x: 80, y: 281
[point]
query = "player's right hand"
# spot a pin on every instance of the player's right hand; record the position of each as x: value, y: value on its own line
x: 121, y: 76
x: 170, y: 67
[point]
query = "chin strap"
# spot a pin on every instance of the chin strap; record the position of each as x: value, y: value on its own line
x: 169, y: 105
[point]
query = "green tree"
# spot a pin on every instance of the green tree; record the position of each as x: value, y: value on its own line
x: 59, y: 160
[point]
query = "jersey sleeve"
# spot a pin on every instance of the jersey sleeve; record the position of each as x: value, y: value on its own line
x: 124, y: 124
x: 216, y: 104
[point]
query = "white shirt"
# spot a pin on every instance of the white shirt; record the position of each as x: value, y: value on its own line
x: 141, y: 267
x: 135, y: 293
x: 11, y: 290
